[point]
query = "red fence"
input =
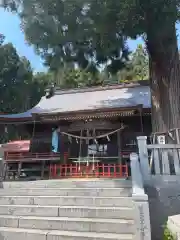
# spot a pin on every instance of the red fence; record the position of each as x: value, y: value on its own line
x: 26, y: 155
x: 16, y: 156
x: 86, y: 171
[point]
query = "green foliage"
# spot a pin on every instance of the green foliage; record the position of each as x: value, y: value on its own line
x: 75, y: 78
x: 168, y: 235
x: 137, y: 68
x: 140, y: 63
x: 81, y: 31
x: 92, y: 33
x: 19, y: 89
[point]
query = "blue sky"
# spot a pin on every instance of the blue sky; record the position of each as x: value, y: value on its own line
x: 10, y: 27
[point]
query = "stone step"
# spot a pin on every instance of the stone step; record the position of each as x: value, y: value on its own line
x: 67, y: 211
x: 93, y: 192
x: 71, y: 183
x: 69, y: 224
x: 29, y: 234
x: 67, y: 201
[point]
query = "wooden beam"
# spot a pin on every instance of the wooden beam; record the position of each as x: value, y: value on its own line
x: 119, y: 147
x: 94, y: 124
x: 42, y: 169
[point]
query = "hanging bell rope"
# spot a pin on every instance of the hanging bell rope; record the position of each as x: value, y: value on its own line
x: 97, y: 137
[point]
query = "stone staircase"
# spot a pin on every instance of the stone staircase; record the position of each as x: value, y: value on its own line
x: 67, y: 210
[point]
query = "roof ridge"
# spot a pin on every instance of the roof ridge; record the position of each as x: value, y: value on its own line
x: 59, y: 91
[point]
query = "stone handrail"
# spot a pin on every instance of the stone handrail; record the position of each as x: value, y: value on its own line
x: 158, y: 159
x: 137, y: 180
x: 141, y: 205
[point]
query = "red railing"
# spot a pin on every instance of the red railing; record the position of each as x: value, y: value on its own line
x: 28, y: 155
x: 18, y: 156
x: 83, y: 170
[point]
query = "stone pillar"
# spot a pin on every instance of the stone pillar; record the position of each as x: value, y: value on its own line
x: 140, y: 199
x: 142, y: 217
x: 143, y: 156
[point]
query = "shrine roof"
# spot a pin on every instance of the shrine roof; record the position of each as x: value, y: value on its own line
x: 16, y: 146
x: 89, y: 99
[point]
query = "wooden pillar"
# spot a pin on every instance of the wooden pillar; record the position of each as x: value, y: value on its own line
x: 177, y: 136
x: 141, y: 121
x: 42, y: 169
x: 80, y: 149
x: 19, y: 169
x: 119, y: 147
x: 5, y: 170
x: 2, y: 161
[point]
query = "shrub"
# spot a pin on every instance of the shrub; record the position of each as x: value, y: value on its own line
x: 168, y: 235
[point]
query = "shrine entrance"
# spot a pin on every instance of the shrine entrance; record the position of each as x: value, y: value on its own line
x: 95, y: 158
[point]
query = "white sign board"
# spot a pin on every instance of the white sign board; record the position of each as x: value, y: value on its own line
x: 92, y: 149
x: 161, y: 139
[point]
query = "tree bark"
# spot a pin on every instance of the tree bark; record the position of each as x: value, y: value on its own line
x: 164, y: 79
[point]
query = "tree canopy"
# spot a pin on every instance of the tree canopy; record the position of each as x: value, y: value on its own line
x: 84, y: 31
x: 73, y: 32
x: 137, y: 68
x: 90, y: 33
x: 19, y: 88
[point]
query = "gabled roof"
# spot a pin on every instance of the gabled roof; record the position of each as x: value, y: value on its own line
x: 89, y: 99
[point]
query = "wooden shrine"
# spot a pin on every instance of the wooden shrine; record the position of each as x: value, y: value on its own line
x: 97, y: 129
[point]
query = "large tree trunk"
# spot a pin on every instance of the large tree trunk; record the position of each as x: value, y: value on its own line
x: 164, y: 79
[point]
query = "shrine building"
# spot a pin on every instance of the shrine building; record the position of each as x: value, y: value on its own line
x: 87, y: 132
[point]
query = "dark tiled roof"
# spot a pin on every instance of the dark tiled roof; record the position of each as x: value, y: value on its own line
x: 90, y: 99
